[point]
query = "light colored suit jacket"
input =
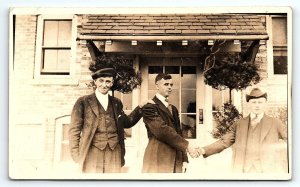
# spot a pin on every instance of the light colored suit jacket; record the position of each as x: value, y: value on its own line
x: 270, y: 150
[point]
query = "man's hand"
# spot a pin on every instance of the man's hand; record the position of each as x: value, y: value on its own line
x: 193, y: 151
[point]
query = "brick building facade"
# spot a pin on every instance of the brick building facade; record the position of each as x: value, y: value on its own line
x: 41, y: 99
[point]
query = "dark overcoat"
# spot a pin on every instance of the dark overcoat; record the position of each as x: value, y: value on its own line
x: 166, y: 149
x: 270, y: 148
x: 85, y: 118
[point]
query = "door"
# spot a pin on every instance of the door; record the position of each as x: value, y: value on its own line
x: 184, y: 94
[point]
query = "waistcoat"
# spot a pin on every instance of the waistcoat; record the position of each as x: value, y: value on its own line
x: 106, y: 133
x: 252, y: 157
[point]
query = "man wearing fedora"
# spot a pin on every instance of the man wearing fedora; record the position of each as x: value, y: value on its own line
x: 96, y: 132
x: 255, y: 140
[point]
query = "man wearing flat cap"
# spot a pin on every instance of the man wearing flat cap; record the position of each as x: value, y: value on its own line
x: 255, y: 140
x: 96, y: 132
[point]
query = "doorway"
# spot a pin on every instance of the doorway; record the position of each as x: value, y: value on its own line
x: 185, y: 74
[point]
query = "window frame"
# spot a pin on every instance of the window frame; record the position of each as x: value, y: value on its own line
x: 196, y: 89
x: 52, y: 79
x: 270, y: 50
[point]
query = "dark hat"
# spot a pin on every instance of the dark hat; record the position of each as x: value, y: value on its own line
x: 255, y: 94
x: 105, y: 72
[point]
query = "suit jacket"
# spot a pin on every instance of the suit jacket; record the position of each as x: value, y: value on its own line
x: 272, y: 131
x: 166, y: 149
x: 84, y: 120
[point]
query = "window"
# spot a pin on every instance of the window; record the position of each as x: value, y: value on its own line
x: 279, y: 40
x: 183, y: 95
x: 62, y: 150
x: 55, y: 46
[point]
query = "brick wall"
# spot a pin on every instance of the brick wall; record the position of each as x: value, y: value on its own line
x: 35, y: 103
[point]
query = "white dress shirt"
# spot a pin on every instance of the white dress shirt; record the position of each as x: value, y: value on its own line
x: 102, y: 98
x: 162, y: 99
x: 259, y: 116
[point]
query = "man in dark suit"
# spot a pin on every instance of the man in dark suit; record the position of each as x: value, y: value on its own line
x: 166, y: 151
x: 96, y: 131
x: 255, y: 140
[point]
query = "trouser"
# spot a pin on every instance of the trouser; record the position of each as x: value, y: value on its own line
x: 103, y: 161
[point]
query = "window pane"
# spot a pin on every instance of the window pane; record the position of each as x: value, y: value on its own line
x: 174, y: 98
x: 279, y: 28
x: 50, y: 33
x: 63, y: 60
x: 176, y: 81
x: 280, y: 64
x: 57, y: 33
x: 155, y: 69
x: 188, y: 101
x: 50, y: 60
x: 172, y: 69
x: 188, y: 77
x: 56, y: 60
x: 64, y: 34
x: 188, y: 124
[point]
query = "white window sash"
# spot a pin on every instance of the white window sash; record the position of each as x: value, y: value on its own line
x: 39, y: 47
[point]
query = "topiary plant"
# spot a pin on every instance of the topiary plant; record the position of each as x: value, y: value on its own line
x: 127, y: 78
x: 225, y: 117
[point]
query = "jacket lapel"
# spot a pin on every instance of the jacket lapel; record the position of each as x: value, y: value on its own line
x: 92, y: 99
x: 163, y: 107
x: 244, y: 125
x: 265, y: 127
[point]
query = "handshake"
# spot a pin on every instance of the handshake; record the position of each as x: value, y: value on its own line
x: 195, y: 151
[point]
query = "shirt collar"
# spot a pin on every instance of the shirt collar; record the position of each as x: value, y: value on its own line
x: 100, y: 96
x: 162, y: 99
x: 259, y: 116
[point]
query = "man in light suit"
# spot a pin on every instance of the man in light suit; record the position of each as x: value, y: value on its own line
x: 166, y: 151
x: 96, y: 132
x: 255, y: 139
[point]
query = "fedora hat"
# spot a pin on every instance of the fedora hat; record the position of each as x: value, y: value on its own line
x: 105, y: 72
x: 255, y: 94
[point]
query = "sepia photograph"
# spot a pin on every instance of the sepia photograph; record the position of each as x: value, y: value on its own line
x: 150, y: 93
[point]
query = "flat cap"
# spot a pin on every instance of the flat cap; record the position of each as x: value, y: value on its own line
x: 105, y: 72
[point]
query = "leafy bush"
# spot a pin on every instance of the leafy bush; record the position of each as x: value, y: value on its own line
x: 127, y: 78
x: 225, y: 117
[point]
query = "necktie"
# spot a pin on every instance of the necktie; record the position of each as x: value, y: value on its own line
x: 170, y: 108
x: 254, y: 121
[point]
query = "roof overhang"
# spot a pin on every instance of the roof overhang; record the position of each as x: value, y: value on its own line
x: 173, y: 38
